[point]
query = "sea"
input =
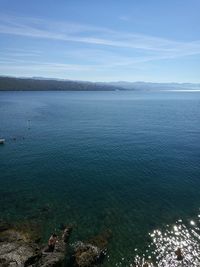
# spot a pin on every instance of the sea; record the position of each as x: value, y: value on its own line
x: 127, y: 162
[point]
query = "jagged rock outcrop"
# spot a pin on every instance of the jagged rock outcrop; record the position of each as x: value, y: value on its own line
x: 18, y: 250
x: 15, y: 247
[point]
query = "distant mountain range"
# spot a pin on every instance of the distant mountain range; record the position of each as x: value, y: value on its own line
x: 155, y: 86
x: 43, y: 84
x: 47, y: 84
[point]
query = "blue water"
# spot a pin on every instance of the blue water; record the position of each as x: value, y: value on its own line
x: 125, y: 161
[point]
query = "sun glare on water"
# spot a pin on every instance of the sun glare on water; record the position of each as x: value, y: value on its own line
x: 177, y: 245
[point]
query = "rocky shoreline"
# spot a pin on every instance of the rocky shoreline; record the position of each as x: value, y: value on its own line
x: 20, y: 247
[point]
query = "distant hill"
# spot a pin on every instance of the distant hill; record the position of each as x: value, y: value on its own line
x: 47, y: 84
x: 42, y: 84
x: 156, y: 86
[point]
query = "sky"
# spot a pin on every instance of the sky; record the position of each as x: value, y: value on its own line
x: 101, y: 40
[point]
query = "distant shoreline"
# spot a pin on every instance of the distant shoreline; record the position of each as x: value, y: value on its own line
x: 31, y: 84
x: 47, y: 84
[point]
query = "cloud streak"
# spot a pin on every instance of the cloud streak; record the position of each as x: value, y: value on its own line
x: 103, y: 48
x: 73, y: 32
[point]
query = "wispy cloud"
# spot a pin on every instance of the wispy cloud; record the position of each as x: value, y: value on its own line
x: 73, y: 32
x: 125, y: 18
x: 34, y: 65
x: 102, y: 49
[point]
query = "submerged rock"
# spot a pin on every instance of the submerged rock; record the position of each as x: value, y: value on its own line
x: 86, y: 255
x: 91, y: 253
x: 101, y: 240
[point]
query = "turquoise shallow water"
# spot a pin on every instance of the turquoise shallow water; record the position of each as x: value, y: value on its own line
x: 125, y: 161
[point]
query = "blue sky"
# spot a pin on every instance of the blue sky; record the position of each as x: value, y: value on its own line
x: 101, y: 40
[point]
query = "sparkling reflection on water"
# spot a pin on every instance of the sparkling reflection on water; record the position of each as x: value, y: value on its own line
x: 184, y: 236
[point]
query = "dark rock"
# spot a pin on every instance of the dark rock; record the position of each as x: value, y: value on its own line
x: 33, y: 260
x: 101, y: 240
x: 4, y: 263
x: 92, y: 252
x: 4, y: 226
x: 86, y: 255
